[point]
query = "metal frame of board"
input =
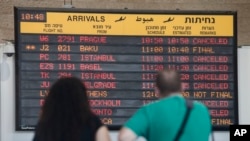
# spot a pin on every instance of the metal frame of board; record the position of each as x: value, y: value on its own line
x: 17, y: 41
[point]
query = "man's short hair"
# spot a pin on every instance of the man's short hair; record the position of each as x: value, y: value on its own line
x: 168, y: 81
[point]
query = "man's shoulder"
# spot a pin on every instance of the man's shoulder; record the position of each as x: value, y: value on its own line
x: 165, y: 101
x: 200, y: 107
x: 174, y: 100
x: 199, y: 104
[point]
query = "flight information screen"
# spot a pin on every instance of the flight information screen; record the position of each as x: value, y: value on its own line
x: 117, y: 53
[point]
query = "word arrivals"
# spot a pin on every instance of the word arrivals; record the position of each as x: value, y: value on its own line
x: 239, y: 132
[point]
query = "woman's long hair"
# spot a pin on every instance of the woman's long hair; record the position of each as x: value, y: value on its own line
x: 65, y: 111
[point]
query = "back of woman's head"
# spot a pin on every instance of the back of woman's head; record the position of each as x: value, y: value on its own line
x: 65, y: 111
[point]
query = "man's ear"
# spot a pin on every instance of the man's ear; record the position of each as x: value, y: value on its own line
x: 183, y: 85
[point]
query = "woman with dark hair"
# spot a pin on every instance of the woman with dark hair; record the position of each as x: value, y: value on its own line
x: 66, y: 115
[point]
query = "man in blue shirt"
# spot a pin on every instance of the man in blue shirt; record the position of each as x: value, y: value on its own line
x: 161, y: 120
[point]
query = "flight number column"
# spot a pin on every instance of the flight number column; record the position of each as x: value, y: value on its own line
x: 44, y: 66
x: 62, y: 67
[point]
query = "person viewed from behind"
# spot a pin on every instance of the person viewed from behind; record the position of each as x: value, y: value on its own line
x: 66, y: 115
x: 162, y: 120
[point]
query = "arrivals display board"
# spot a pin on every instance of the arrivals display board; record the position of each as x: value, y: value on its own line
x: 117, y: 53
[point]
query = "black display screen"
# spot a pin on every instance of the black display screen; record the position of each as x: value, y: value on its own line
x: 117, y: 54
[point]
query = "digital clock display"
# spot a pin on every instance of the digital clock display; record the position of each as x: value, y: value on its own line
x: 35, y: 16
